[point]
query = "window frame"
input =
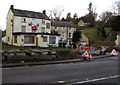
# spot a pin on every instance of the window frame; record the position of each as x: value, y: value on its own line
x: 53, y: 38
x: 23, y: 20
x: 23, y: 29
x: 29, y: 39
x: 45, y: 38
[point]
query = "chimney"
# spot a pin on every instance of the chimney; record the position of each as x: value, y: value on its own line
x: 44, y: 11
x: 12, y: 7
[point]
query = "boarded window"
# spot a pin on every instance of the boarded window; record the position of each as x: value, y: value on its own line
x: 23, y: 29
x: 28, y: 39
x: 15, y: 39
x: 44, y: 38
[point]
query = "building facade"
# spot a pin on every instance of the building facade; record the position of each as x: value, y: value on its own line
x: 28, y: 28
x: 117, y: 41
x: 84, y: 40
x: 65, y: 29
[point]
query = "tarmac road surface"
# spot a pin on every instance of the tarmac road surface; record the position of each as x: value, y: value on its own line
x: 104, y: 70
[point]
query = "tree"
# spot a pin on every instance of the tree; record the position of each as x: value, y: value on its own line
x: 90, y: 19
x: 56, y: 12
x: 75, y: 16
x: 63, y: 19
x: 105, y: 16
x: 90, y: 9
x: 68, y: 17
x: 116, y: 7
x: 115, y: 23
x: 91, y: 16
x: 102, y: 32
x: 76, y: 37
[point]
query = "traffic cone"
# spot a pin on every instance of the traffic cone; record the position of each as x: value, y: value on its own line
x: 90, y: 57
x: 114, y: 52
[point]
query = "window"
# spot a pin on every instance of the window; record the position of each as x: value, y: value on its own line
x: 52, y: 40
x: 69, y: 28
x: 69, y: 35
x: 8, y: 38
x: 28, y: 39
x: 43, y: 21
x: 23, y: 29
x: 43, y: 29
x: 44, y: 38
x: 33, y: 21
x: 55, y: 27
x: 23, y: 19
x: 15, y: 39
x: 62, y: 34
x: 47, y: 25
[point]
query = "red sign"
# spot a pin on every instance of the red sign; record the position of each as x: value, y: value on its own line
x: 86, y: 48
x: 34, y: 26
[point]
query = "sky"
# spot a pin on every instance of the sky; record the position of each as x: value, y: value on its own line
x: 69, y: 6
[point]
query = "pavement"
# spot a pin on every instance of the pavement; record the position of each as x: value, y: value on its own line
x: 50, y: 62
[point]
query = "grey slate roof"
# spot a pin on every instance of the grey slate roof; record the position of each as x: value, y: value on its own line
x: 29, y: 14
x: 62, y: 24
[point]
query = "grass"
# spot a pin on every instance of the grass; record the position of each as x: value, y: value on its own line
x: 89, y: 32
x: 107, y: 30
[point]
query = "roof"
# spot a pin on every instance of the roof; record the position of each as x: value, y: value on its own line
x: 62, y: 24
x: 29, y: 14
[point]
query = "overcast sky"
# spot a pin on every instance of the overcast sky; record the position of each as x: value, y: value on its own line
x: 72, y: 6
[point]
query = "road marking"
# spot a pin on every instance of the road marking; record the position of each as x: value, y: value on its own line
x: 60, y: 81
x: 95, y: 80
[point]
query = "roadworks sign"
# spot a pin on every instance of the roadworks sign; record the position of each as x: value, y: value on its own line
x: 86, y: 54
x: 114, y: 52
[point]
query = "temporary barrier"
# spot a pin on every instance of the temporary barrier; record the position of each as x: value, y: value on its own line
x: 86, y: 48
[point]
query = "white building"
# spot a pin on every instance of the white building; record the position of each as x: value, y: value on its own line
x: 28, y: 28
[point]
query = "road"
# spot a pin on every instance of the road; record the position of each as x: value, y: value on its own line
x: 104, y: 70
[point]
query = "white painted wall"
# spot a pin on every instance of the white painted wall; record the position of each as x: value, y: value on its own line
x: 18, y: 24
